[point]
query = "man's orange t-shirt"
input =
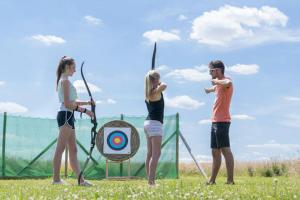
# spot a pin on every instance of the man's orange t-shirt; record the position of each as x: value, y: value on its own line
x: 222, y: 103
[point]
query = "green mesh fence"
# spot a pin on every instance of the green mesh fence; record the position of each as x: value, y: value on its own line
x: 28, y: 145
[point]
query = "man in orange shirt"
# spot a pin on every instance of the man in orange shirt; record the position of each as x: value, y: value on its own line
x: 220, y: 143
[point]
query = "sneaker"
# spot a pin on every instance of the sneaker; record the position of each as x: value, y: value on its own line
x: 153, y: 185
x: 230, y: 183
x: 86, y: 184
x: 61, y: 182
x: 210, y: 183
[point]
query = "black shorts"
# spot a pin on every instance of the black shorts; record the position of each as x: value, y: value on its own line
x: 65, y: 117
x: 220, y: 135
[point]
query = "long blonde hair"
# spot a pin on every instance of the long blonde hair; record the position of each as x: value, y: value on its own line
x: 149, y: 78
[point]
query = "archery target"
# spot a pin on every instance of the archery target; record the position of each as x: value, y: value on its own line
x: 117, y: 140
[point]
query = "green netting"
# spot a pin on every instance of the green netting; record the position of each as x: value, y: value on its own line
x: 1, y: 141
x: 30, y: 145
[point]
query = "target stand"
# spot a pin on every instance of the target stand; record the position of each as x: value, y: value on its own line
x: 118, y: 141
x: 121, y: 164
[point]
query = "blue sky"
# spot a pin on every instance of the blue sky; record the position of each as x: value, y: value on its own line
x: 257, y: 40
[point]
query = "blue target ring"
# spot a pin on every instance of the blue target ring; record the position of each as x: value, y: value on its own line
x: 117, y: 140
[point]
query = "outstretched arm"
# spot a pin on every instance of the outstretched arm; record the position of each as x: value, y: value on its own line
x: 224, y: 82
x: 209, y: 90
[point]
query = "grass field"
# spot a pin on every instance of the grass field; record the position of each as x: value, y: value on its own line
x: 284, y: 184
x: 187, y: 187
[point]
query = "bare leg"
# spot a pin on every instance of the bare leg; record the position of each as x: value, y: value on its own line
x: 62, y: 139
x: 156, y: 150
x: 217, y: 159
x: 229, y: 163
x: 149, y: 155
x: 73, y: 154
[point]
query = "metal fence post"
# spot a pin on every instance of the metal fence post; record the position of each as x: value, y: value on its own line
x: 177, y: 144
x: 3, y: 144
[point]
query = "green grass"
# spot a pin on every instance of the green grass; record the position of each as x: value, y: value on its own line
x: 186, y: 187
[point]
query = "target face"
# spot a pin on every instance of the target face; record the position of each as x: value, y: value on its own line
x: 117, y: 140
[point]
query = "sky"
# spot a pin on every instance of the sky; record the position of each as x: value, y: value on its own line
x: 258, y: 40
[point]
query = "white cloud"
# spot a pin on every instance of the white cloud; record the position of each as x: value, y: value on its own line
x: 205, y: 121
x: 111, y: 101
x: 242, y: 117
x: 183, y: 102
x: 162, y: 68
x: 196, y: 74
x: 274, y: 146
x: 175, y: 31
x: 48, y: 39
x: 236, y: 27
x: 182, y: 17
x: 12, y: 107
x: 80, y: 87
x: 93, y: 20
x: 159, y: 35
x: 200, y: 73
x: 291, y: 120
x: 244, y: 69
x: 290, y: 98
x: 199, y: 158
x: 236, y: 117
x: 107, y: 101
x: 2, y: 83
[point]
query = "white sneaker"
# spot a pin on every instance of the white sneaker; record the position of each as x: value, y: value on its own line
x: 86, y: 184
x: 61, y: 182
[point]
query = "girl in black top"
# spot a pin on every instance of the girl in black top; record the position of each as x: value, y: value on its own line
x: 153, y: 123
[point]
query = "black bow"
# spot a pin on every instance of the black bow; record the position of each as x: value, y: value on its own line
x: 153, y: 57
x: 93, y: 121
x: 93, y: 106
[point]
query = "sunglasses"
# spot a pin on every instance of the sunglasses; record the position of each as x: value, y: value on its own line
x: 212, y: 70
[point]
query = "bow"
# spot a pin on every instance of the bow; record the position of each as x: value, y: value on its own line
x: 93, y: 121
x: 93, y: 106
x: 153, y: 57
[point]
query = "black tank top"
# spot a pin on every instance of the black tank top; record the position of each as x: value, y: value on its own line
x: 156, y: 109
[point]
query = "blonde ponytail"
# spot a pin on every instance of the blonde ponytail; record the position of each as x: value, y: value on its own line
x: 153, y: 74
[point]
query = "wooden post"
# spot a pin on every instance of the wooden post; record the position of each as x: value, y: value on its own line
x: 66, y: 162
x: 106, y: 174
x: 129, y: 168
x: 121, y: 164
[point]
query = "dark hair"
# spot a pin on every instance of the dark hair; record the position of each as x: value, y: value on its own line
x: 65, y: 60
x: 217, y: 64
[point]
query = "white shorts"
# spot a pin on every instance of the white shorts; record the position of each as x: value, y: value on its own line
x: 153, y: 128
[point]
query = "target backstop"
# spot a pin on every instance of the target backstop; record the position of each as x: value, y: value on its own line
x: 28, y: 144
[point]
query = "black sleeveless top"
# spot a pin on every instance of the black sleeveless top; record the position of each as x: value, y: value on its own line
x: 156, y: 109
